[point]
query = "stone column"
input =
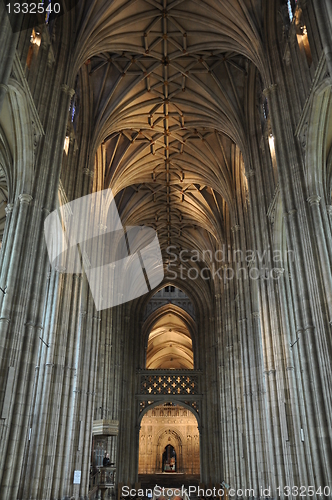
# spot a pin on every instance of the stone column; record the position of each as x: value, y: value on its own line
x: 253, y: 378
x: 297, y: 450
x: 318, y: 399
x: 323, y: 12
x: 8, y: 43
x: 210, y: 465
x: 14, y: 362
x: 324, y: 260
x: 329, y: 212
x: 6, y: 241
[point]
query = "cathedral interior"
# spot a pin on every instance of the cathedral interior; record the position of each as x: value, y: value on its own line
x: 193, y: 138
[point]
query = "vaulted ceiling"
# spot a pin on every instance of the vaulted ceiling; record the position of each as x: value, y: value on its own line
x: 168, y: 80
x: 169, y: 345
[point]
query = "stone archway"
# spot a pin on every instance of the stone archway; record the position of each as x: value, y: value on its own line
x: 169, y: 424
x: 176, y: 326
x: 172, y: 438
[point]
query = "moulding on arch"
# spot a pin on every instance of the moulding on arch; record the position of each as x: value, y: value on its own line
x: 319, y: 78
x: 17, y: 75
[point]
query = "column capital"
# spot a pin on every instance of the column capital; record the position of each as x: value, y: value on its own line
x: 102, y: 227
x: 30, y: 324
x: 10, y: 207
x: 4, y: 87
x: 270, y: 90
x: 25, y: 198
x: 60, y: 269
x: 3, y: 319
x: 251, y: 172
x: 329, y: 209
x: 279, y: 271
x: 255, y: 315
x: 86, y: 171
x: 272, y: 371
x: 308, y: 328
x: 314, y: 200
x: 67, y: 90
x: 235, y: 228
x: 293, y: 211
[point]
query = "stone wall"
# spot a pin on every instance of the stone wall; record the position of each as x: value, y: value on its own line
x: 166, y: 425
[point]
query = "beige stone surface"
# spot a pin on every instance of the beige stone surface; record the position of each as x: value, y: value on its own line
x: 211, y: 122
x: 169, y: 425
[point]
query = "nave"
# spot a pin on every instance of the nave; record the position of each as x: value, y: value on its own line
x: 166, y: 246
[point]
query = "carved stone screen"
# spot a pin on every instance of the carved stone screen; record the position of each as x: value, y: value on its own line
x: 169, y: 425
x: 170, y: 383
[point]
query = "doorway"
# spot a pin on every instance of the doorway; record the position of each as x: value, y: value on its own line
x: 169, y: 459
x: 170, y: 428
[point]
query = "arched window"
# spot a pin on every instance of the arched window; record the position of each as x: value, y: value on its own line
x: 302, y: 35
x: 291, y: 4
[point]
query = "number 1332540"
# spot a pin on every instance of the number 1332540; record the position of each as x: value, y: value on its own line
x: 303, y: 491
x: 33, y: 8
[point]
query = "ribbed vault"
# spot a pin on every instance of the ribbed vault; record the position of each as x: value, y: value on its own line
x: 211, y: 25
x: 168, y: 90
x: 173, y: 195
x: 169, y: 344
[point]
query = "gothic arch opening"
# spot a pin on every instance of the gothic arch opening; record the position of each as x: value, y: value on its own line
x: 169, y: 459
x: 169, y: 441
x: 169, y: 344
x: 168, y: 331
